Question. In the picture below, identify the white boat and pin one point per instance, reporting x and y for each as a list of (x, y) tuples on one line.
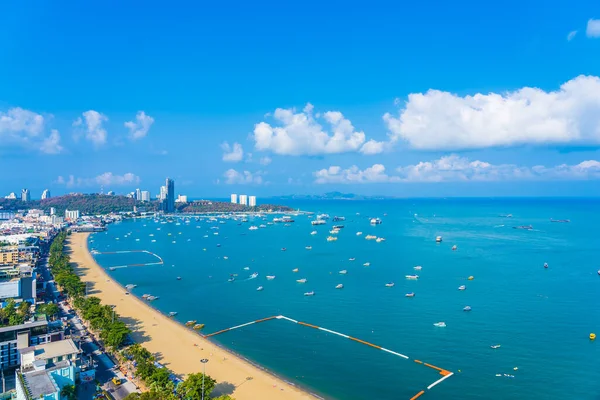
[(323, 216), (495, 346), (334, 231), (313, 233), (253, 228), (309, 293), (254, 275), (440, 324), (462, 287), (375, 221), (358, 233), (467, 308), (340, 286), (391, 284), (259, 288), (270, 277), (231, 279), (295, 270), (308, 247), (379, 240), (413, 277), (303, 280), (172, 313), (352, 259), (317, 222), (145, 296), (130, 286), (153, 240), (262, 226), (370, 237), (246, 268), (331, 238), (418, 268), (438, 239), (152, 298), (343, 272), (367, 264), (454, 248), (410, 294), (225, 258)]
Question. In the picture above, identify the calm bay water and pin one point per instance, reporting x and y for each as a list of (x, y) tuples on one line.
[(541, 317)]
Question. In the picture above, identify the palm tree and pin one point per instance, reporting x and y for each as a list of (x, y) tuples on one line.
[(68, 392)]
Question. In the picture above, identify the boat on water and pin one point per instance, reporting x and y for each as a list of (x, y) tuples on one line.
[(343, 272), (379, 240), (413, 277), (390, 284), (339, 286), (352, 259), (410, 294), (334, 231), (440, 324), (495, 346), (564, 221), (259, 288), (253, 275), (178, 278), (270, 277), (336, 219), (191, 323), (438, 239), (467, 308), (283, 249), (524, 227), (262, 226), (225, 258), (418, 268), (454, 248), (331, 238), (303, 280), (152, 298), (599, 272), (308, 247), (153, 240), (112, 269), (471, 278), (197, 327), (172, 313), (295, 270), (145, 296), (309, 293), (358, 233), (370, 237), (231, 279), (246, 268), (367, 264), (545, 265), (253, 228), (338, 227), (317, 222), (375, 221), (313, 233), (130, 286), (462, 287)]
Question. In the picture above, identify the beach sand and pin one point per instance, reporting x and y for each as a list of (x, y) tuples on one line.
[(173, 343)]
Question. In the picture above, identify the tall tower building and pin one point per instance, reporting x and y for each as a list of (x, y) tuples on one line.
[(234, 198), (25, 195), (252, 201), (46, 194), (243, 199), (170, 200), (138, 194), (145, 195)]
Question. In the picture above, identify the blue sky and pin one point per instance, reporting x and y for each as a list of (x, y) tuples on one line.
[(414, 99)]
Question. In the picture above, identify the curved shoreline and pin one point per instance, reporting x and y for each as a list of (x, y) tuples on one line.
[(171, 340)]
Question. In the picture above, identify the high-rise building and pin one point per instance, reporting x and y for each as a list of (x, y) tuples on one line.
[(170, 200), (72, 215), (46, 194), (145, 195), (138, 194), (181, 199), (252, 201), (234, 198), (243, 199), (52, 210), (163, 193), (25, 195)]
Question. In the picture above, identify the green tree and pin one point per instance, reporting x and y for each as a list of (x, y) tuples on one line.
[(191, 388), (69, 392), (51, 310)]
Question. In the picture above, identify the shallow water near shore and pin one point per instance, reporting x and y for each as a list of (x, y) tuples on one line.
[(541, 317)]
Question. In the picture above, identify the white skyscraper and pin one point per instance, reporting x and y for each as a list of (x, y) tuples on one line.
[(145, 195), (252, 201), (52, 210), (163, 193), (138, 194), (243, 199), (234, 198), (46, 194), (25, 195)]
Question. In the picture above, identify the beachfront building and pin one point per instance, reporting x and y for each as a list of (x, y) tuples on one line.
[(181, 199), (71, 215), (46, 194), (234, 198), (145, 195), (252, 201), (243, 199)]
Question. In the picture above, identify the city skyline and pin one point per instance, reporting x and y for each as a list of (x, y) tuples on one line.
[(511, 114)]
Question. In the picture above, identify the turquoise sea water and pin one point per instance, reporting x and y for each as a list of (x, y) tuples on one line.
[(541, 317)]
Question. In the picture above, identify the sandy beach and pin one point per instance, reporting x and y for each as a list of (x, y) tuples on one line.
[(177, 347)]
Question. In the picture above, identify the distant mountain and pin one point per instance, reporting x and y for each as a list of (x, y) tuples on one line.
[(332, 196)]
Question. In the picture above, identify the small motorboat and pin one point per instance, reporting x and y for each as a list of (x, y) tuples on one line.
[(283, 249), (462, 287), (438, 239), (295, 270), (313, 233), (130, 286), (454, 248), (145, 296), (599, 272), (172, 313), (225, 258), (197, 327), (191, 323), (411, 294), (152, 298), (440, 324), (178, 278), (231, 279), (340, 286), (246, 268), (390, 284), (331, 238), (352, 259), (467, 308), (112, 269), (270, 277), (259, 288), (343, 272), (309, 293), (367, 264), (412, 277), (471, 278), (308, 247), (418, 268), (358, 233), (545, 265), (495, 346), (303, 280), (253, 276)]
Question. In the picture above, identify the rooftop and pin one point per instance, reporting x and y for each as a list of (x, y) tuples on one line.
[(24, 326), (40, 383), (50, 350)]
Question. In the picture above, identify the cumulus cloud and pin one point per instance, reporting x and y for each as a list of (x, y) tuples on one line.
[(24, 128), (335, 174), (571, 35), (265, 160), (299, 133), (233, 177), (442, 120), (233, 153), (92, 123), (51, 144), (106, 179), (593, 28), (139, 128), (373, 147)]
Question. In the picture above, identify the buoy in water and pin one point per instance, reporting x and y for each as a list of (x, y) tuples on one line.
[(592, 336)]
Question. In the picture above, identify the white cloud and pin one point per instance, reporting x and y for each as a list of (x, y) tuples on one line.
[(442, 120), (107, 179), (94, 131), (373, 147), (299, 133), (233, 177), (593, 28), (139, 129), (571, 35), (51, 144), (266, 160), (233, 153), (25, 129), (335, 174)]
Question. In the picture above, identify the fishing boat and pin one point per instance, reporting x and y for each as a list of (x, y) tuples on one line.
[(308, 247), (358, 233), (339, 286), (412, 277), (270, 277), (367, 264), (259, 288), (313, 233), (343, 272), (467, 308), (145, 296), (410, 294), (331, 238), (438, 239), (197, 327), (191, 323), (418, 268), (440, 324), (495, 346), (295, 270), (172, 313), (352, 259), (303, 280), (152, 298), (375, 221), (254, 275), (309, 293), (462, 287), (390, 284)]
